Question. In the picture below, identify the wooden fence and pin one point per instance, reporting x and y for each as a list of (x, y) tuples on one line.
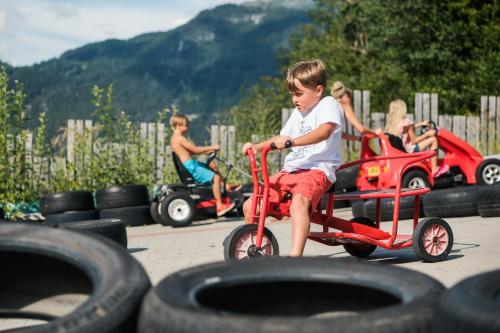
[(482, 132)]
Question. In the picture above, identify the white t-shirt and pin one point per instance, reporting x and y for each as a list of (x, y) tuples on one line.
[(324, 155)]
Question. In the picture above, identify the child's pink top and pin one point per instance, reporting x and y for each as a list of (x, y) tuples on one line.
[(404, 126)]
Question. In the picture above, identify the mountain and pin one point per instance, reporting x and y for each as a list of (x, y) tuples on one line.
[(200, 67)]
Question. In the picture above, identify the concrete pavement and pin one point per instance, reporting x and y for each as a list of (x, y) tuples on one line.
[(164, 250)]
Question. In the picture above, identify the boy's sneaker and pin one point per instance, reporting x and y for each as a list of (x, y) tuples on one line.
[(441, 170), (224, 209)]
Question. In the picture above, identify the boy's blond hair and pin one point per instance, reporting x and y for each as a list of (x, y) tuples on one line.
[(397, 112), (310, 74), (178, 119)]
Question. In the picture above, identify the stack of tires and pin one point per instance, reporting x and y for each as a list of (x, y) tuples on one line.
[(69, 206), (367, 208), (128, 203), (463, 201), (105, 282), (75, 210)]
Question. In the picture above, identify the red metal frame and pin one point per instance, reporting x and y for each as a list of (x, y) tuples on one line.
[(346, 231)]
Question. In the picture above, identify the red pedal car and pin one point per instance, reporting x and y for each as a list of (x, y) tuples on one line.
[(432, 237), (467, 165)]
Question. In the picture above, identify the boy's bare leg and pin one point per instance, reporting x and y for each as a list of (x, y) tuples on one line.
[(247, 209), (299, 212), (216, 190)]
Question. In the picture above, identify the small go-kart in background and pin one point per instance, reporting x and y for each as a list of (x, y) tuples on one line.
[(467, 165), (177, 205), (432, 237)]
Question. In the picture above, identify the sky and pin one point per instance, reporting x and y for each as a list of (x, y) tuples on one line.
[(32, 31)]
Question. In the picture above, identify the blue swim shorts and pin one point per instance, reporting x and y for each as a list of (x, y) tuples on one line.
[(201, 173)]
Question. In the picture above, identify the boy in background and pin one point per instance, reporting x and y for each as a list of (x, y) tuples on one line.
[(314, 128), (201, 172)]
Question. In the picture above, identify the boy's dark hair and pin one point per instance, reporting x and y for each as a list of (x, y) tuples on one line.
[(310, 74)]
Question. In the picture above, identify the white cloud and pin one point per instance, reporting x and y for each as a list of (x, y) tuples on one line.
[(36, 30)]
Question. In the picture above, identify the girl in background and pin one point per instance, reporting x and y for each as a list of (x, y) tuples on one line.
[(400, 125)]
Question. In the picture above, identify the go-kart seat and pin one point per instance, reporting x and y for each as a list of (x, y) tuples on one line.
[(184, 175)]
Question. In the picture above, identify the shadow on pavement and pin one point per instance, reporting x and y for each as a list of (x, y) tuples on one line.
[(136, 249)]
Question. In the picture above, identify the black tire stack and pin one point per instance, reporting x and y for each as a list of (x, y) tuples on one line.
[(128, 203), (43, 262), (69, 206)]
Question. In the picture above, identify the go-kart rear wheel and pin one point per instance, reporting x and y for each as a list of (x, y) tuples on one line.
[(240, 243), (361, 249), (415, 179), (177, 209), (488, 172), (432, 239)]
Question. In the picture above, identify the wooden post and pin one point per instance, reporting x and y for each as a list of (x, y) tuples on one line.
[(231, 143), (473, 131), (152, 143), (358, 109), (426, 107), (223, 141), (70, 143), (366, 108), (484, 124), (434, 108), (459, 126), (214, 134), (378, 120), (491, 124), (160, 149), (418, 107)]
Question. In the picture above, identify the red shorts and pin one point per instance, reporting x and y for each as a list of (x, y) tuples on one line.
[(310, 183)]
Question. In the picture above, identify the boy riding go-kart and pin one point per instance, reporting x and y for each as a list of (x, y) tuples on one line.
[(466, 164)]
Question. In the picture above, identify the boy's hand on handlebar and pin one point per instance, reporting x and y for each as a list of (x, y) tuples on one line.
[(247, 146), (281, 140)]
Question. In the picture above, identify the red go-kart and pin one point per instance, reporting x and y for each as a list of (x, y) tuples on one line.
[(432, 237), (467, 165)]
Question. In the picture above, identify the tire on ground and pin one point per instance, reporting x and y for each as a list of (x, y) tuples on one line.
[(451, 202), (66, 201), (488, 201), (154, 210), (71, 216), (177, 209), (406, 205), (60, 262), (470, 306), (271, 294), (133, 216), (357, 207), (346, 179), (111, 229), (122, 196)]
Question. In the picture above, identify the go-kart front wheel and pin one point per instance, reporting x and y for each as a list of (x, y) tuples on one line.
[(432, 239), (177, 209), (240, 243)]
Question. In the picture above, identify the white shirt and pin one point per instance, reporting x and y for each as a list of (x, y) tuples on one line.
[(324, 155)]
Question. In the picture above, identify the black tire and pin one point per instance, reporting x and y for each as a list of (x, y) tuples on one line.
[(346, 179), (415, 178), (111, 229), (361, 250), (432, 232), (451, 202), (132, 216), (177, 210), (66, 201), (470, 306), (44, 262), (488, 202), (357, 208), (73, 216), (406, 206), (488, 172), (122, 196), (269, 243), (291, 295), (154, 210)]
